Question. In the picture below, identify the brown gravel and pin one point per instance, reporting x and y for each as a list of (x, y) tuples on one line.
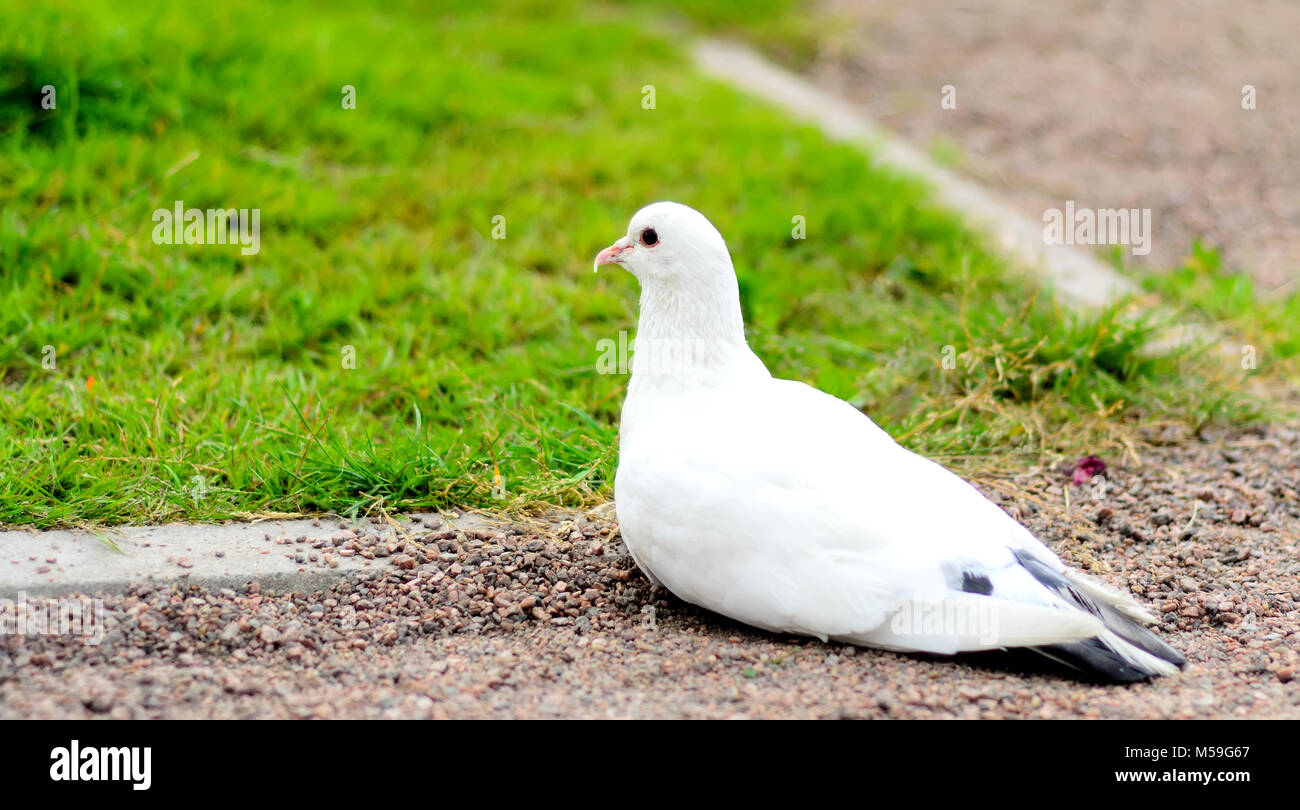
[(1110, 104), (535, 622)]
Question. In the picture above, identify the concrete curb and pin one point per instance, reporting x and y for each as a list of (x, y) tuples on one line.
[(229, 555), (1079, 278)]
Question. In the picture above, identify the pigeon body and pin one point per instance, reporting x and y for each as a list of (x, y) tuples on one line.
[(785, 508)]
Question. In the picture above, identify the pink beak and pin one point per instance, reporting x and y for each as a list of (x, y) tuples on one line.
[(612, 254)]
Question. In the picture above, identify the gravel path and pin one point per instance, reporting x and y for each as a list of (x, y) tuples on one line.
[(1110, 104), (546, 621)]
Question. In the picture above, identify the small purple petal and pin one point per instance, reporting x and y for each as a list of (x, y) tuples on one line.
[(1086, 467)]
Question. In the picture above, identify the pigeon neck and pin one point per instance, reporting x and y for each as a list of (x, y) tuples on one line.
[(691, 334), (668, 311)]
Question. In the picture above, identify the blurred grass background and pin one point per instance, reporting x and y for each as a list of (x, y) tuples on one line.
[(193, 382)]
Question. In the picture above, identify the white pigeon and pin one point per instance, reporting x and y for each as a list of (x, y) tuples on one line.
[(785, 508)]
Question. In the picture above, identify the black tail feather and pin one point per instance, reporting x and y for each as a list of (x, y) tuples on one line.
[(1095, 656), (1095, 659)]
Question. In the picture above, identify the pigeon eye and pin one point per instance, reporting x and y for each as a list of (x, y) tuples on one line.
[(649, 238)]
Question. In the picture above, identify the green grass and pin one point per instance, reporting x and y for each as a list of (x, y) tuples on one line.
[(787, 30), (1267, 323), (192, 382)]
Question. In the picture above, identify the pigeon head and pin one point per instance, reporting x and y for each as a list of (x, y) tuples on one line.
[(690, 325), (670, 242)]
